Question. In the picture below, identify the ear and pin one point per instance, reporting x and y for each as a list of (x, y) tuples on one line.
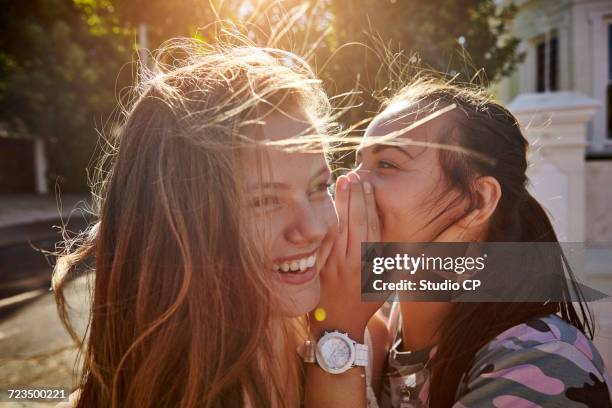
[(487, 194)]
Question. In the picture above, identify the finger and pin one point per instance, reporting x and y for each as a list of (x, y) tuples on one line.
[(373, 223), (342, 209), (357, 219)]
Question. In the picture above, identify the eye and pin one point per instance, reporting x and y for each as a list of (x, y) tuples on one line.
[(326, 187), (385, 164), (265, 201)]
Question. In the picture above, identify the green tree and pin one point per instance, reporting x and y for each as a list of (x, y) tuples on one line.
[(63, 61), (457, 37), (65, 64), (161, 19), (58, 81), (359, 38)]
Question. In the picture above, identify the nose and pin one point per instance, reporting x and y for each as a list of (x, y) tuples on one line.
[(363, 173), (307, 227)]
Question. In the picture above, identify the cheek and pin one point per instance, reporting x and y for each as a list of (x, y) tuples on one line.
[(404, 209), (275, 225), (326, 212), (271, 230), (396, 199)]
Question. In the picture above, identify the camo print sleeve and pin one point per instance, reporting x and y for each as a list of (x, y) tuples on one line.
[(542, 363)]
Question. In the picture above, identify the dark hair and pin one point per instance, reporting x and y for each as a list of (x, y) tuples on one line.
[(484, 127)]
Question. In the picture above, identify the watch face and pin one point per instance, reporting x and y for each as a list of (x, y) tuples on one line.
[(335, 353)]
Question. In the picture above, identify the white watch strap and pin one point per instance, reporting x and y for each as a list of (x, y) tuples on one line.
[(361, 355)]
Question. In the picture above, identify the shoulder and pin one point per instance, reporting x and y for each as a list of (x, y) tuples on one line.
[(549, 337), (379, 332), (545, 359), (379, 341)]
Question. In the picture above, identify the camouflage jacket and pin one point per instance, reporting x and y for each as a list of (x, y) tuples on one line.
[(545, 362)]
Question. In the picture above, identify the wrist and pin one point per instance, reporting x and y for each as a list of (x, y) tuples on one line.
[(336, 352), (354, 331)]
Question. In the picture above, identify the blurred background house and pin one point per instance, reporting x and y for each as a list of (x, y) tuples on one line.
[(562, 95), (23, 164), (567, 46)]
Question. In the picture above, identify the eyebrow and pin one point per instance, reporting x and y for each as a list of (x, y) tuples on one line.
[(284, 186), (380, 148)]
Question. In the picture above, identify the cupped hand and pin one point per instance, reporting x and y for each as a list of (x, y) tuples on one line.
[(341, 307)]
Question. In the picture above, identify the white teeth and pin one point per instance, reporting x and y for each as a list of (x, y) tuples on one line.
[(311, 261), (296, 265)]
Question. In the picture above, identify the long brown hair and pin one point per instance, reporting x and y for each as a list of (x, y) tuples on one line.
[(482, 126), (183, 311)]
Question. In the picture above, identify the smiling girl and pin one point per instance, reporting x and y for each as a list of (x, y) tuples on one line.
[(209, 238)]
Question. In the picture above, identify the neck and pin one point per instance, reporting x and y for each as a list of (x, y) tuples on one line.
[(420, 323)]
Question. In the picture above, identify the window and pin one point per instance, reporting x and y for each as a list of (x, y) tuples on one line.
[(547, 64)]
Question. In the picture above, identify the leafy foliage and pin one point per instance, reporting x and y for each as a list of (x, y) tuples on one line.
[(62, 62), (463, 38), (57, 80)]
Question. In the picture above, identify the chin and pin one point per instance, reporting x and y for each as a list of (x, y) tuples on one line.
[(299, 300)]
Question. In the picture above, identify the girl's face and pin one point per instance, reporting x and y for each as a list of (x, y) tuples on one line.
[(411, 190), (293, 211)]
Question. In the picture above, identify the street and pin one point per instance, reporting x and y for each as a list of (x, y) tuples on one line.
[(35, 349), (36, 352)]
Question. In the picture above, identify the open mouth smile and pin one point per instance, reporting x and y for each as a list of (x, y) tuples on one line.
[(297, 269)]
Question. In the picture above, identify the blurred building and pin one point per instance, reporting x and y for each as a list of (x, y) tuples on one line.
[(23, 165), (562, 96), (568, 47)]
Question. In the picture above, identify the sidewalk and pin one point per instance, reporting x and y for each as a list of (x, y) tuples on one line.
[(26, 218), (18, 209)]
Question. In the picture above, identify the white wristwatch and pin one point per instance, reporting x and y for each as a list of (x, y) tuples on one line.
[(336, 352)]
